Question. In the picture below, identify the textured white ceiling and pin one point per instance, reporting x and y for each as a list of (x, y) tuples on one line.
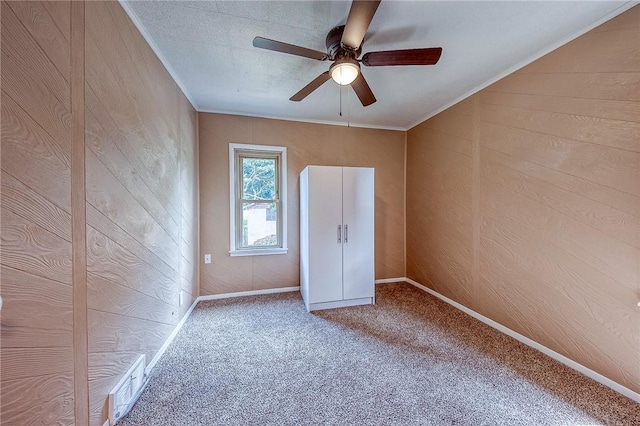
[(207, 46)]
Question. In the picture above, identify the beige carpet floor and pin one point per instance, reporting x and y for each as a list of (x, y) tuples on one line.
[(409, 360)]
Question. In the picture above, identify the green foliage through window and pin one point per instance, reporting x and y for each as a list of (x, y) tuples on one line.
[(259, 179)]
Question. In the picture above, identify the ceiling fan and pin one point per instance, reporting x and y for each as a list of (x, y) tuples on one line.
[(344, 46)]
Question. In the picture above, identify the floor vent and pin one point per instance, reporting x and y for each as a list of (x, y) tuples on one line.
[(126, 392)]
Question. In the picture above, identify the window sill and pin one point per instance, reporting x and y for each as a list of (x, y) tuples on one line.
[(258, 252)]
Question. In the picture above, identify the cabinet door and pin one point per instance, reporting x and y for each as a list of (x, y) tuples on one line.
[(358, 222), (325, 242)]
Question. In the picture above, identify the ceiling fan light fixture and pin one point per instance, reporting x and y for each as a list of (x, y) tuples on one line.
[(344, 71)]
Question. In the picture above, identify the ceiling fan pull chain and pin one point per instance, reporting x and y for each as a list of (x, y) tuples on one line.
[(340, 101), (348, 109)]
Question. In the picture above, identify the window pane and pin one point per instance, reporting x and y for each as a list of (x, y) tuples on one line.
[(258, 227), (258, 178)]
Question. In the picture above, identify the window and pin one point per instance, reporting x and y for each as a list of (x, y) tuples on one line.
[(258, 177)]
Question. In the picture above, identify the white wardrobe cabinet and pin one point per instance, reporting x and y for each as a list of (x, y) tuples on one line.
[(336, 236)]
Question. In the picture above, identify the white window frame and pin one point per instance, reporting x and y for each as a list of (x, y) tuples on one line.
[(233, 180)]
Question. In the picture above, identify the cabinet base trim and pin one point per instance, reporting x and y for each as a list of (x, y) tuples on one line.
[(339, 304), (391, 280), (532, 343)]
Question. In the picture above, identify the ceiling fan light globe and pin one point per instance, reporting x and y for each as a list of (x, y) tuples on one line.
[(344, 73)]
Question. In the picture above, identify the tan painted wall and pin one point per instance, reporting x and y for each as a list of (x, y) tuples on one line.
[(137, 135), (37, 323), (306, 144), (523, 201), (141, 199)]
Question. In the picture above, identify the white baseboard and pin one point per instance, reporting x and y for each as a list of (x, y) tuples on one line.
[(172, 336), (532, 343), (248, 293)]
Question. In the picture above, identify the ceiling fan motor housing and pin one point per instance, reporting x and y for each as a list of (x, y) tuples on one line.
[(335, 50), (344, 46)]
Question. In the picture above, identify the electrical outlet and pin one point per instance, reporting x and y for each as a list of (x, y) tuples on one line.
[(181, 298), (207, 258)]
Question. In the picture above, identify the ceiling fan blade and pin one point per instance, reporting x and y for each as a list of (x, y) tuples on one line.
[(363, 90), (278, 46), (309, 88), (427, 56), (360, 17)]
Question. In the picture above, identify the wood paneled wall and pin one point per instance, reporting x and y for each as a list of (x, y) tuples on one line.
[(137, 135), (37, 357), (306, 144), (523, 201), (141, 200)]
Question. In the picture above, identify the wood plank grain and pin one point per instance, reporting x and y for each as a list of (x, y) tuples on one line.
[(434, 182), (33, 157), (31, 80), (616, 169), (475, 204), (608, 86), (21, 363), (36, 19), (612, 51), (457, 125), (102, 224), (433, 162), (627, 204), (36, 311), (115, 69), (28, 204), (610, 222), (612, 133), (127, 145), (188, 263), (601, 251), (107, 195), (112, 333), (107, 296), (33, 249), (109, 260), (509, 293), (79, 215), (110, 365), (454, 245), (574, 311), (592, 293), (602, 108), (100, 142), (441, 139), (435, 215), (145, 63), (38, 400), (435, 265), (112, 75), (557, 202), (60, 14)]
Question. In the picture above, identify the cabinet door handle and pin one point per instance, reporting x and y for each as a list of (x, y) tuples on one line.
[(346, 233), (339, 233)]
